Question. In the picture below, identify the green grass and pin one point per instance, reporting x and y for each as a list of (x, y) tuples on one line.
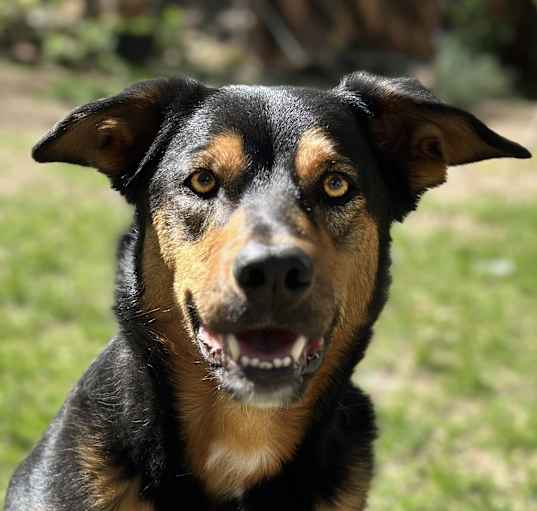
[(58, 240), (452, 368)]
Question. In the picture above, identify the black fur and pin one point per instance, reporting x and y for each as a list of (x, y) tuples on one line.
[(125, 399)]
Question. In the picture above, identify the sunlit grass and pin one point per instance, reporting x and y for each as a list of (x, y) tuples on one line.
[(56, 281), (452, 366)]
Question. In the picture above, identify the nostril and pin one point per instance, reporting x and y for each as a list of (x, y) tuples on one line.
[(297, 279), (299, 272), (251, 276)]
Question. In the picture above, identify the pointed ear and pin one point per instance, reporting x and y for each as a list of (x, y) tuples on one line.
[(418, 136), (114, 134)]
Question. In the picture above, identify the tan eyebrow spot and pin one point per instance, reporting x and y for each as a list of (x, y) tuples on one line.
[(315, 149), (224, 155)]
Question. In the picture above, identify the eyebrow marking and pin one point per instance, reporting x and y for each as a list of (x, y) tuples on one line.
[(224, 154), (315, 149)]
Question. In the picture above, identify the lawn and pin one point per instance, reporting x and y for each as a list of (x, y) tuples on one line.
[(452, 369)]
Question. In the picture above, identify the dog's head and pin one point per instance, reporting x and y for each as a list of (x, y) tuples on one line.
[(268, 208)]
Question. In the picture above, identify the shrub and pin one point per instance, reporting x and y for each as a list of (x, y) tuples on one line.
[(464, 76)]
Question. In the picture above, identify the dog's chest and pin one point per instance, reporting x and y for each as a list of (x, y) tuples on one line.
[(230, 471)]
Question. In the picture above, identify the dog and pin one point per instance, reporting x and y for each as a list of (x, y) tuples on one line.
[(247, 289)]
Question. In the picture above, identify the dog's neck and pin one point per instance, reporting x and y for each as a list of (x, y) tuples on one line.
[(231, 446)]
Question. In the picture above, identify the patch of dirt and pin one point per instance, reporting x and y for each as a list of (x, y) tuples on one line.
[(429, 222), (26, 114), (22, 100), (514, 119), (387, 381), (508, 179)]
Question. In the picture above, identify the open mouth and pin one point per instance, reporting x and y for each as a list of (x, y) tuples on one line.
[(265, 366), (269, 349)]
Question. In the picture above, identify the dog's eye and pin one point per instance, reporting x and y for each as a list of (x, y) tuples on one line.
[(335, 185), (203, 182)]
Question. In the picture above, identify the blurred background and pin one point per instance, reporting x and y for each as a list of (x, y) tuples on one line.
[(452, 368), (466, 50)]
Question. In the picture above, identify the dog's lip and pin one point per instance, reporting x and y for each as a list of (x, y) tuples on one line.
[(267, 348), (224, 349)]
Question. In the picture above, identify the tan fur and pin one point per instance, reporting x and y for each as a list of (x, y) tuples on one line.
[(107, 487), (110, 140), (427, 174), (252, 443), (353, 494), (353, 276), (114, 136), (461, 142), (224, 155), (314, 152), (428, 159), (131, 501), (407, 137)]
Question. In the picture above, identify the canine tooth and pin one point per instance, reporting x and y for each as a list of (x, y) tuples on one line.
[(245, 361), (233, 346), (254, 362), (277, 362), (286, 362), (298, 347), (265, 365)]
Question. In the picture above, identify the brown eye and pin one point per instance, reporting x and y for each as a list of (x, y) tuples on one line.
[(203, 182), (335, 185)]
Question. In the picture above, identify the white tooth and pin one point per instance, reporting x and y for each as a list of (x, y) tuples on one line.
[(298, 347), (277, 362), (286, 362), (245, 361), (265, 365), (254, 362), (234, 347)]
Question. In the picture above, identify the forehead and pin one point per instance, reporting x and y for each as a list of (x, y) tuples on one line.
[(272, 120)]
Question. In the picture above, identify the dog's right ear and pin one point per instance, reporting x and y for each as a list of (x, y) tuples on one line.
[(114, 134)]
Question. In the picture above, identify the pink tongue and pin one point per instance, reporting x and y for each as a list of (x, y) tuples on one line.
[(266, 343)]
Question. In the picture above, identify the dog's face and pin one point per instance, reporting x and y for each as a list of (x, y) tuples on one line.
[(269, 208), (263, 208)]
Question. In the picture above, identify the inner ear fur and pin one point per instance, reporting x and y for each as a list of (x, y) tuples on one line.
[(113, 134), (411, 127)]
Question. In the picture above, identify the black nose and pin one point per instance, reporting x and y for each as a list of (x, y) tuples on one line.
[(280, 274)]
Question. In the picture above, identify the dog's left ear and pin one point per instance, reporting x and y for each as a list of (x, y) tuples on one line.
[(417, 136)]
